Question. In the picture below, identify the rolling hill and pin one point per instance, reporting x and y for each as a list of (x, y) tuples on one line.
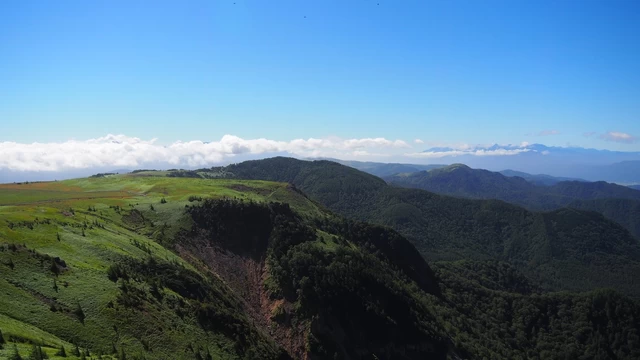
[(558, 248), (83, 266), (616, 202), (164, 265)]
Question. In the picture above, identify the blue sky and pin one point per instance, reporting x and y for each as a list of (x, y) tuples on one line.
[(445, 72)]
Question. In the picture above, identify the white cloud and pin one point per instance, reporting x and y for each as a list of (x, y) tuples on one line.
[(120, 151), (619, 137), (418, 141), (472, 152)]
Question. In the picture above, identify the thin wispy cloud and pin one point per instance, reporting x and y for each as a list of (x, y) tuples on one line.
[(472, 152), (620, 137), (120, 151), (589, 134), (418, 141)]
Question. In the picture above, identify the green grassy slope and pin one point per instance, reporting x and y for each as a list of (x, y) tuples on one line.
[(55, 251)]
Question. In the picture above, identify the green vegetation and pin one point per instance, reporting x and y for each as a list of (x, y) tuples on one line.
[(505, 318), (55, 256), (618, 203), (160, 266), (563, 250), (355, 299), (349, 287), (461, 180)]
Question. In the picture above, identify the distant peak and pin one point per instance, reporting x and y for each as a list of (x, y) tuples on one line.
[(458, 165), (450, 168)]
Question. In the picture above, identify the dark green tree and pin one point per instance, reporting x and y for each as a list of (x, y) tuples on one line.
[(62, 352), (76, 351), (198, 355), (15, 355), (122, 355), (37, 353), (54, 268), (80, 315)]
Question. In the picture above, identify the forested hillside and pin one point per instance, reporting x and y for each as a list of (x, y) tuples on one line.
[(563, 249), (615, 202), (461, 180)]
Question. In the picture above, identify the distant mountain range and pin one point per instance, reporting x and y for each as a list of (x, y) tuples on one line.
[(538, 179), (573, 162), (388, 169), (539, 192)]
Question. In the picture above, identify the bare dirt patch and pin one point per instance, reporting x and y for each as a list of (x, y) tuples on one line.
[(246, 276)]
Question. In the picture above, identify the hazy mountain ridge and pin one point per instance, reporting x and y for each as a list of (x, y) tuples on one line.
[(462, 181), (572, 162), (537, 179)]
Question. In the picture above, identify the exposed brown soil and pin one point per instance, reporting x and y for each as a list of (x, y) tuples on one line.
[(246, 276)]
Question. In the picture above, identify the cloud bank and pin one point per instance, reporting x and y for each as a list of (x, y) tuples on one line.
[(120, 151)]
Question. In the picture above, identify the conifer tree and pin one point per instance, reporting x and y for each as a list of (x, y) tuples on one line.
[(15, 355), (80, 314), (36, 353), (62, 352)]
